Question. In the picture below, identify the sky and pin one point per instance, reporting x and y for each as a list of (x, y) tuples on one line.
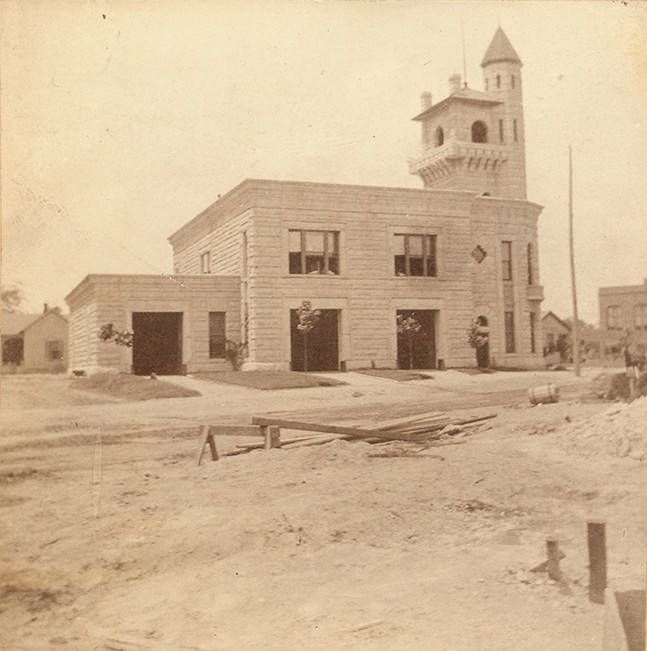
[(121, 120)]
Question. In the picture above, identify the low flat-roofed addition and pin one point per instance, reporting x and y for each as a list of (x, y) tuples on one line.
[(168, 315)]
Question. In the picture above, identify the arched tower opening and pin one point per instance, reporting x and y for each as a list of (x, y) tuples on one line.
[(439, 137), (479, 131)]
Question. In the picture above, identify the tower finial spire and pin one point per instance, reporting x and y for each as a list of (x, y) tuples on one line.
[(464, 57)]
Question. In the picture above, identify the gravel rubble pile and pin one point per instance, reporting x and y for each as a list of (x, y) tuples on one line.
[(620, 431)]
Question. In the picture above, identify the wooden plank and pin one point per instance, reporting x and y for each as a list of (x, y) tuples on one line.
[(236, 430), (318, 440), (353, 432), (397, 423)]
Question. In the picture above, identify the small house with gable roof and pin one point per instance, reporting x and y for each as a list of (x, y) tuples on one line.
[(34, 342)]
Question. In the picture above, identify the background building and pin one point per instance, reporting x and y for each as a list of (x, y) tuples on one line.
[(34, 342), (554, 330), (622, 309)]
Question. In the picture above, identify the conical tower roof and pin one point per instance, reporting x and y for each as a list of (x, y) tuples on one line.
[(500, 49)]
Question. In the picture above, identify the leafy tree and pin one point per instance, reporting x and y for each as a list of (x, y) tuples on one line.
[(308, 318), (409, 327), (477, 335), (120, 337), (563, 346), (12, 298), (235, 352)]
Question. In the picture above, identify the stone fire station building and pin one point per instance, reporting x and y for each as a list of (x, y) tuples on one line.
[(463, 247)]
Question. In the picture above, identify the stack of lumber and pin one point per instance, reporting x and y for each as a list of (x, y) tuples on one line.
[(414, 426), (420, 428)]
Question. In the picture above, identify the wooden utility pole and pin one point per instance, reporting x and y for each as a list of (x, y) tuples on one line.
[(575, 333)]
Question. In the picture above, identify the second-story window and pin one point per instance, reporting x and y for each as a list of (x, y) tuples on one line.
[(529, 261), (613, 317), (314, 252), (506, 259), (415, 255), (205, 263)]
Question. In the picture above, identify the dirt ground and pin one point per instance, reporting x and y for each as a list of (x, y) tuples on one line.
[(113, 538)]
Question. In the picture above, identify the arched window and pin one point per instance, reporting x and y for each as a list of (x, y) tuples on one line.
[(479, 132), (498, 81), (439, 137), (512, 81)]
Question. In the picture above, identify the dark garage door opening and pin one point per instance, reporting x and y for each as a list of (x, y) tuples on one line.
[(157, 343), (423, 350), (323, 343)]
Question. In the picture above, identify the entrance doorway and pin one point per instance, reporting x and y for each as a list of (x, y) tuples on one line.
[(421, 353), (323, 343), (483, 352), (157, 343)]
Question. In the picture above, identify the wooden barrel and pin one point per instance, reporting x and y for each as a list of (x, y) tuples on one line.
[(547, 393)]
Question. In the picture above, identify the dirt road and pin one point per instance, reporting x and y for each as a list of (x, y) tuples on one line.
[(116, 540)]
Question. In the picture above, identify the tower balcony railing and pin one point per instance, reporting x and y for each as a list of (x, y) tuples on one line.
[(480, 152)]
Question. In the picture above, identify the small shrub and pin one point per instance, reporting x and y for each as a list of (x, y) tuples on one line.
[(235, 353)]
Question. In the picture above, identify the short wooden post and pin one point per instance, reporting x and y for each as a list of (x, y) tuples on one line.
[(272, 436), (552, 548), (204, 435), (212, 445), (597, 561)]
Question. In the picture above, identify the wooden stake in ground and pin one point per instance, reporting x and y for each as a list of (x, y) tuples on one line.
[(552, 548), (597, 561), (272, 437)]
